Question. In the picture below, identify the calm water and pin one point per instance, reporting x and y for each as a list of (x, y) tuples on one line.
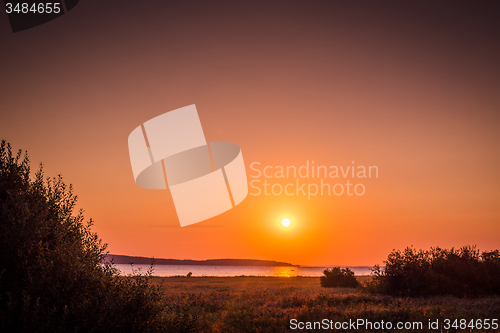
[(199, 270)]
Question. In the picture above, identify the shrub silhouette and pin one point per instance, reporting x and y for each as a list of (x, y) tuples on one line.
[(465, 272), (53, 277), (337, 277)]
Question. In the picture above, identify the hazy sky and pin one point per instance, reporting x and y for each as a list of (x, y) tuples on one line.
[(413, 90)]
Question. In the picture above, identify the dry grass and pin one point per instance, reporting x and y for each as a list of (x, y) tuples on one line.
[(308, 286), (266, 304)]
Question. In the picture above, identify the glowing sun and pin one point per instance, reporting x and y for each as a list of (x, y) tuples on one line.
[(285, 222)]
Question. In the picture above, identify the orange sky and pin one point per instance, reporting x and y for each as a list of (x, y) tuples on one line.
[(412, 90)]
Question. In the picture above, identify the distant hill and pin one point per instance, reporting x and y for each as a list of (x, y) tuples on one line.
[(120, 259)]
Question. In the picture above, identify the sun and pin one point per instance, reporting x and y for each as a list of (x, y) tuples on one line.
[(285, 222)]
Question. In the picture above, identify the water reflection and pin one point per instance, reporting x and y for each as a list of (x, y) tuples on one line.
[(203, 270), (281, 271)]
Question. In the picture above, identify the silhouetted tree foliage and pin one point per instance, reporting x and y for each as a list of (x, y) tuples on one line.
[(53, 277), (464, 272), (337, 277)]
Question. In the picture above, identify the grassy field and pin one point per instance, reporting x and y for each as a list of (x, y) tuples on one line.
[(267, 304)]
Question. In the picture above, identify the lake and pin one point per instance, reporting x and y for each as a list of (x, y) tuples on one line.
[(207, 270)]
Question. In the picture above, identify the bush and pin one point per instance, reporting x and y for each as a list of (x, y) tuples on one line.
[(53, 276), (465, 272), (337, 277)]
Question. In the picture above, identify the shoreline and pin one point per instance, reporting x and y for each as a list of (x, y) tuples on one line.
[(244, 276)]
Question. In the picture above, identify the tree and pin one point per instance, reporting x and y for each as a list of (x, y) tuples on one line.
[(53, 276), (337, 277), (463, 272)]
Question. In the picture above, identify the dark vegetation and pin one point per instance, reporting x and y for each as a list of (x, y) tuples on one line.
[(53, 277), (464, 272), (337, 277)]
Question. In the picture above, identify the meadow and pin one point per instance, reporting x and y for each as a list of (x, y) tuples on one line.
[(268, 304)]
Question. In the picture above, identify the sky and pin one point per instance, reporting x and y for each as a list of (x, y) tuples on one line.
[(409, 88)]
